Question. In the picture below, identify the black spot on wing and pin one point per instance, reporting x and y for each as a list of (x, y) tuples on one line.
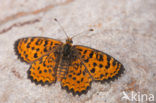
[(108, 62), (94, 64), (93, 70), (100, 58), (35, 55), (28, 45), (86, 61), (46, 42), (100, 65), (91, 54), (85, 52), (37, 49), (45, 50)]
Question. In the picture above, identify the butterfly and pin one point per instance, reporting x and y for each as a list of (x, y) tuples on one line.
[(74, 66)]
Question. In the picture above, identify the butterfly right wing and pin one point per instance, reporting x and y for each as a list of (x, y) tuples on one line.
[(32, 48)]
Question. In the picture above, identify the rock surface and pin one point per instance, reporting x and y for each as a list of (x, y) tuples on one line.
[(125, 29)]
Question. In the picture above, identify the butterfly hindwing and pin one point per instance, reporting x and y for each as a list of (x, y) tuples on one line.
[(32, 48), (43, 70), (77, 80), (100, 65)]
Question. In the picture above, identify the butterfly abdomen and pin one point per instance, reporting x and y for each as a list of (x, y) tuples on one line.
[(61, 72)]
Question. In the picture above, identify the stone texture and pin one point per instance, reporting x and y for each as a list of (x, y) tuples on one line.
[(124, 29)]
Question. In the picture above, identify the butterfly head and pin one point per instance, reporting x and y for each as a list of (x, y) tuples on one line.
[(69, 41)]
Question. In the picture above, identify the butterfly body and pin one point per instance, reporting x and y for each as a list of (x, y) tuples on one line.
[(74, 66), (68, 54)]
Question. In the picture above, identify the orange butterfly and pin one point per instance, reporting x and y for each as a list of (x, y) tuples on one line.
[(75, 66)]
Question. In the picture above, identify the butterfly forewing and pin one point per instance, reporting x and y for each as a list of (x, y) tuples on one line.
[(32, 48)]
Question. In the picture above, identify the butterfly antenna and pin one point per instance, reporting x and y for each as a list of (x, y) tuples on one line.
[(82, 33), (61, 27)]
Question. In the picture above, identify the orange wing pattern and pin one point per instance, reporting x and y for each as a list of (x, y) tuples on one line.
[(32, 48), (78, 79), (43, 71), (100, 65)]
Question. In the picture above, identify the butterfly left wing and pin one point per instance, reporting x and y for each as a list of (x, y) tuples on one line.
[(32, 48), (100, 65), (77, 80)]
